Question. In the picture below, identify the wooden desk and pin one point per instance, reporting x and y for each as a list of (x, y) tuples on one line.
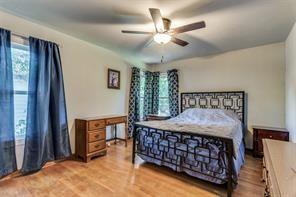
[(279, 170), (90, 134)]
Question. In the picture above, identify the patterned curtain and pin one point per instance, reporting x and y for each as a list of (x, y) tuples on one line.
[(155, 93), (173, 83), (148, 94), (134, 100)]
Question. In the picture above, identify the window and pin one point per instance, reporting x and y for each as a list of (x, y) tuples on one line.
[(163, 95), (142, 93), (20, 64)]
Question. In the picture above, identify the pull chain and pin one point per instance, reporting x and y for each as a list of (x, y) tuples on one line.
[(162, 52)]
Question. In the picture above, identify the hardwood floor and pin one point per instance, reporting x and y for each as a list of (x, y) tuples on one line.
[(114, 175)]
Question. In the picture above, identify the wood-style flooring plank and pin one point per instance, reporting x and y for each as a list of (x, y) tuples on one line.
[(115, 175)]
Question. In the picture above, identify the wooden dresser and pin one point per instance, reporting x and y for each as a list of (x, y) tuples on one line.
[(90, 135), (279, 168), (261, 132)]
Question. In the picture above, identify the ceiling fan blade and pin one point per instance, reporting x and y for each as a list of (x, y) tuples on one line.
[(135, 32), (189, 27), (157, 19), (179, 42)]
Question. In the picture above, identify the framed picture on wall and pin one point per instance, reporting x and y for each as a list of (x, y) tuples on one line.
[(113, 79)]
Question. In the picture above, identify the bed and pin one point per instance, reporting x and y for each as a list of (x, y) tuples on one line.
[(205, 141)]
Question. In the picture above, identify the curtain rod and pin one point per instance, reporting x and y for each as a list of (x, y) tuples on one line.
[(20, 35), (24, 37)]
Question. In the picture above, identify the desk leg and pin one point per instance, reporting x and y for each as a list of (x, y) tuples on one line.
[(115, 130), (126, 134), (134, 149)]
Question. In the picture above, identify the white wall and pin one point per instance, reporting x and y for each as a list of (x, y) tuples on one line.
[(259, 71), (85, 73), (291, 83)]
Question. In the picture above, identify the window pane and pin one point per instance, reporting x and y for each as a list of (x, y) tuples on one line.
[(164, 106), (20, 114), (142, 94), (163, 95), (163, 85), (20, 64)]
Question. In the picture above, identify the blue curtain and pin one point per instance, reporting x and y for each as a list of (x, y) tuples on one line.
[(7, 144), (47, 136), (134, 100), (173, 83)]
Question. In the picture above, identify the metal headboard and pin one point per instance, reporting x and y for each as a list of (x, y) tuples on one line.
[(234, 101)]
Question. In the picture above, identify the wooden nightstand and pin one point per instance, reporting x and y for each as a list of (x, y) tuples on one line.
[(260, 132), (157, 117)]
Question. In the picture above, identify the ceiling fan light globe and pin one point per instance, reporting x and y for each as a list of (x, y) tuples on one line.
[(162, 38)]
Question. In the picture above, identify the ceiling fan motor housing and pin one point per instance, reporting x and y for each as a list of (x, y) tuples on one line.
[(166, 24)]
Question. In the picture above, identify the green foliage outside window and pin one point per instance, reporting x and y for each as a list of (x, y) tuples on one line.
[(20, 64), (163, 95), (142, 94)]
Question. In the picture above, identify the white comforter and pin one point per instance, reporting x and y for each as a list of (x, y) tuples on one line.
[(214, 122)]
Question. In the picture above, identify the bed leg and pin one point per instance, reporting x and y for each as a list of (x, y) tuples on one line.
[(230, 167), (134, 145)]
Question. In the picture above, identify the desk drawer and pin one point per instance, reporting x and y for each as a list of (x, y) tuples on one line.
[(96, 146), (116, 120), (96, 124), (96, 135)]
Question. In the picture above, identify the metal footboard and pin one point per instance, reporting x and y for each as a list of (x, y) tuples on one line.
[(174, 148)]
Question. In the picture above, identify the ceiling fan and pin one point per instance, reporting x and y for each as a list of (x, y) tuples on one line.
[(164, 33)]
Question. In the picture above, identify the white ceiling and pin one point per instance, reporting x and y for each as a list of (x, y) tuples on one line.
[(231, 24)]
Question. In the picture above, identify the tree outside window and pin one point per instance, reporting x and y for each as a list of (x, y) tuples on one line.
[(142, 94), (20, 64), (163, 95)]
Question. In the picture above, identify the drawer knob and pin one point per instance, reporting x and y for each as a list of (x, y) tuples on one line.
[(96, 124), (97, 146), (270, 136), (97, 136)]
